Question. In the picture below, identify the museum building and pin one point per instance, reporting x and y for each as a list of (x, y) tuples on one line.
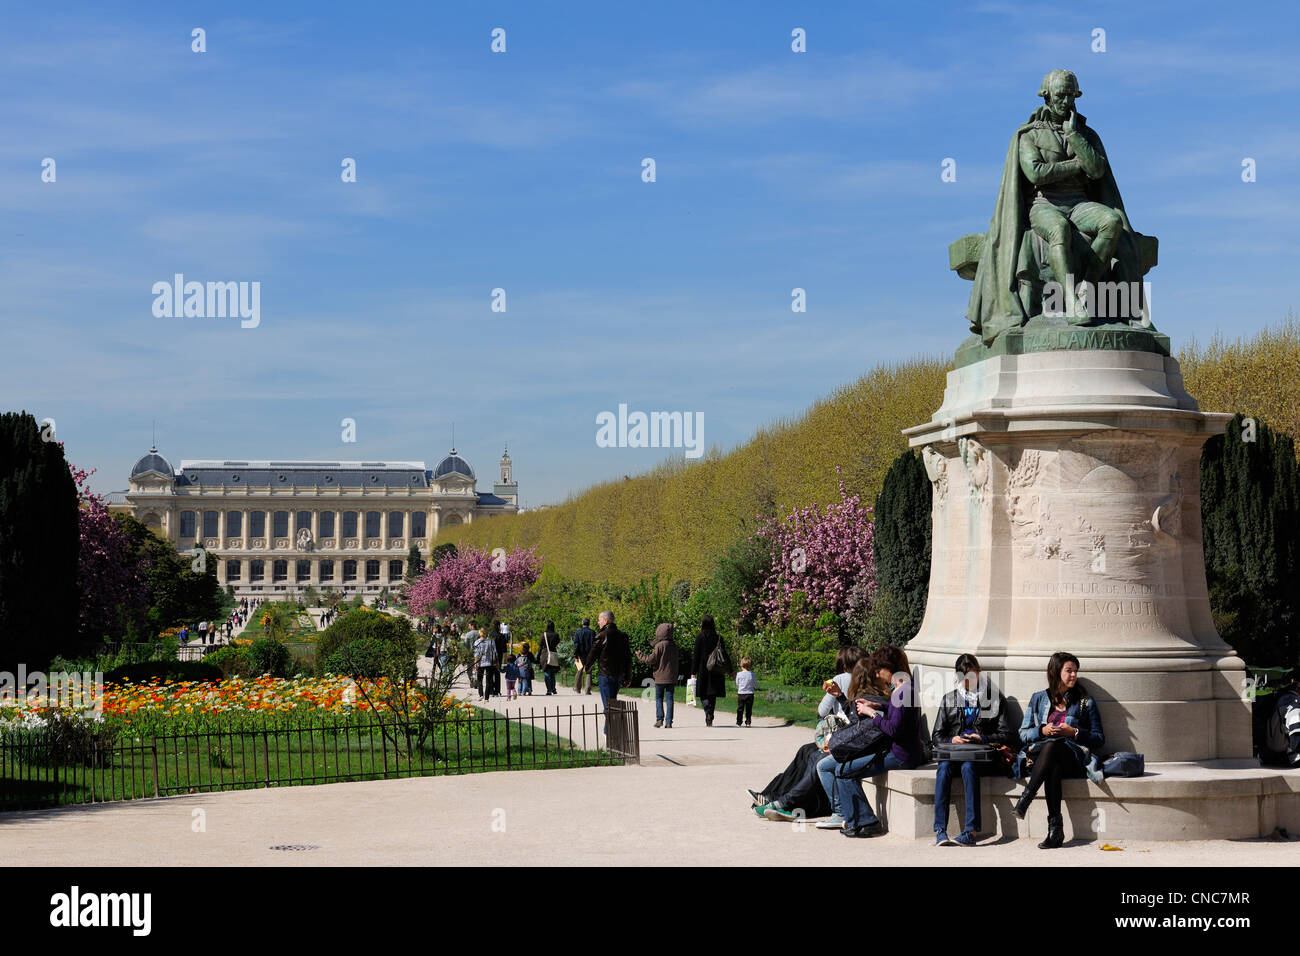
[(283, 526)]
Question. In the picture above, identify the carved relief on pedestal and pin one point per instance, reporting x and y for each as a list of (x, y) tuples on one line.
[(978, 462), (936, 467), (304, 539), (350, 542), (1035, 533), (257, 543), (235, 544), (282, 544), (210, 543)]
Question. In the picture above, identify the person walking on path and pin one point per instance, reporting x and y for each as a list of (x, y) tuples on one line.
[(612, 652), (485, 655), (582, 640), (470, 639), (745, 692), (548, 655), (710, 681), (524, 662), (663, 662), (503, 648)]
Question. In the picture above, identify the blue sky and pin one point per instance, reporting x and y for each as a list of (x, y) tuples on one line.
[(522, 170)]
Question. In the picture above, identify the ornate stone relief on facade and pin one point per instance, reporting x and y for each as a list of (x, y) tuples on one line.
[(936, 467)]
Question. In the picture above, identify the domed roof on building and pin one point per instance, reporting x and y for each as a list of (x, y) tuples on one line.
[(152, 462), (453, 464)]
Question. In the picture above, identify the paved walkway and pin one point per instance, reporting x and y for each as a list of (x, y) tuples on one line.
[(685, 805)]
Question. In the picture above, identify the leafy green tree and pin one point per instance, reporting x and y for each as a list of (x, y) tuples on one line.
[(902, 543), (414, 564), (1250, 514), (40, 544), (178, 594)]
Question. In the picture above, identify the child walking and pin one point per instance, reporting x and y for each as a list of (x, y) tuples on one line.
[(525, 662), (745, 692), (512, 675)]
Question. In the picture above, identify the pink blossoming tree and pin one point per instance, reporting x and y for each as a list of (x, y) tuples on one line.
[(819, 556), (475, 582), (110, 580)]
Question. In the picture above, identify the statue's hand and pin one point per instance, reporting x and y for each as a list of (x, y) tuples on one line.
[(1069, 124)]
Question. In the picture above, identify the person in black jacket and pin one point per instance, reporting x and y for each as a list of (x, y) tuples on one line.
[(709, 685), (968, 714), (613, 652), (582, 639)]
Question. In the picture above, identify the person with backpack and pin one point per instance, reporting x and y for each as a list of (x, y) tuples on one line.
[(968, 714), (548, 655), (1061, 734), (711, 667), (663, 664)]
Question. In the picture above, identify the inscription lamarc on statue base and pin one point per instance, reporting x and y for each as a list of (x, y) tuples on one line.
[(1045, 334)]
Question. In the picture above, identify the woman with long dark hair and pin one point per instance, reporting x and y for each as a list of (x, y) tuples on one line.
[(898, 724), (548, 655), (709, 684), (796, 789), (1060, 734)]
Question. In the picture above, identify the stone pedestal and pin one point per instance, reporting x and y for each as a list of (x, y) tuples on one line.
[(1067, 518)]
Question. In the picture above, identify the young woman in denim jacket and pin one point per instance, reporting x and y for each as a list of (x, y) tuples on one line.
[(1060, 732)]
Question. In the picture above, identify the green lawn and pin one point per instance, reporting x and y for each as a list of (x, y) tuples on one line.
[(195, 763), (783, 701)]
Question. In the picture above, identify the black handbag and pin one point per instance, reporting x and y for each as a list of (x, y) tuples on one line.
[(964, 753), (860, 738)]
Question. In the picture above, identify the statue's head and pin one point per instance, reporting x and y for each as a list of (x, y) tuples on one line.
[(1059, 91)]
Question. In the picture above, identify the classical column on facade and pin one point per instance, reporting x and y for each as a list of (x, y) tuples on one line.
[(314, 579)]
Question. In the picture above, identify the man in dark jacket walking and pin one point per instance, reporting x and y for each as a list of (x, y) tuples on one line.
[(612, 651), (582, 640)]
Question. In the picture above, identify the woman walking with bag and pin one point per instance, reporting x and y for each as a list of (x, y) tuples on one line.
[(710, 668), (548, 655)]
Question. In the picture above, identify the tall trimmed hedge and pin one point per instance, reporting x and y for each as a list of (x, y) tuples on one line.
[(902, 542), (40, 542), (1250, 511)]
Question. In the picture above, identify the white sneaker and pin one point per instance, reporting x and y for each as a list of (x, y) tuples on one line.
[(833, 822)]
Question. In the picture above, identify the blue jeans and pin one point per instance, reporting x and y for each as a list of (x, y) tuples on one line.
[(970, 774), (845, 787), (663, 692), (608, 691)]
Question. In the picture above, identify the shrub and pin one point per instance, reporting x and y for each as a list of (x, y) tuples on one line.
[(269, 656), (232, 660), (146, 671), (806, 668), (375, 635)]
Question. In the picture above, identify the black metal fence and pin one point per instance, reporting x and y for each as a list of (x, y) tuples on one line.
[(39, 771)]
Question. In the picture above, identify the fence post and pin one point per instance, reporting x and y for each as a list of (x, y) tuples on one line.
[(154, 749), (507, 716), (266, 755)]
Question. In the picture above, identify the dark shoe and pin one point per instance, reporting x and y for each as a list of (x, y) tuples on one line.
[(941, 838), (708, 723), (1055, 834), (758, 799), (659, 723), (966, 839), (867, 830), (668, 725), (1022, 805)]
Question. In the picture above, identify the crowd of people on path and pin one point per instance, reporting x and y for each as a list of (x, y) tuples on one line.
[(870, 723)]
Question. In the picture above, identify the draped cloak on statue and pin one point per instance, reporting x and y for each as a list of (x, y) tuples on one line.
[(1009, 255)]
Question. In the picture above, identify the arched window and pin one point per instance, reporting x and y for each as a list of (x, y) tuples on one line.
[(417, 524), (327, 524), (234, 524), (372, 571), (256, 570), (349, 524), (187, 524), (372, 524), (303, 520), (395, 524), (280, 525), (233, 570), (303, 571), (209, 524), (257, 524), (280, 570), (394, 570), (349, 570), (327, 570)]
